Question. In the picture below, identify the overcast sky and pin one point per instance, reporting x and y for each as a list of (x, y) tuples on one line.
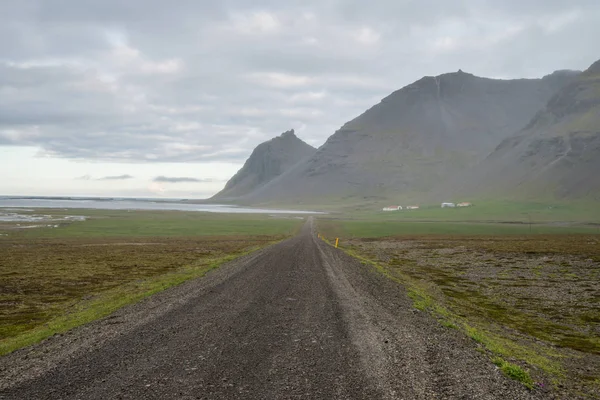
[(154, 97)]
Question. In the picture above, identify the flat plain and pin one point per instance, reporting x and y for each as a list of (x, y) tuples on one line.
[(525, 296), (298, 319), (65, 272), (529, 297)]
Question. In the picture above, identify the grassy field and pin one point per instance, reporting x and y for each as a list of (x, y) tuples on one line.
[(489, 211), (380, 228), (121, 223), (530, 300), (53, 279)]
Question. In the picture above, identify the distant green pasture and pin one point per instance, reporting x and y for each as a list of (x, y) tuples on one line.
[(123, 223), (588, 212), (375, 228)]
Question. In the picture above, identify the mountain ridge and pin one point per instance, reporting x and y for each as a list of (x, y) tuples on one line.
[(413, 139), (267, 161), (556, 155)]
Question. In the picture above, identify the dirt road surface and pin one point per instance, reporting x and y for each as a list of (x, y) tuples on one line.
[(299, 319)]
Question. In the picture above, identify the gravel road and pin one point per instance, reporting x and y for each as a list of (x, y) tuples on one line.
[(299, 319)]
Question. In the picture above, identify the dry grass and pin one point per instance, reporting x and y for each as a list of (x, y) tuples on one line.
[(50, 285), (533, 300)]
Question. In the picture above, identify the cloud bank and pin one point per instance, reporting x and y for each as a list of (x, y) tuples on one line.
[(149, 81), (167, 179), (116, 178)]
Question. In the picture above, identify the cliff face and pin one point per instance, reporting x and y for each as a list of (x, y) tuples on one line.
[(413, 140), (557, 155), (267, 161)]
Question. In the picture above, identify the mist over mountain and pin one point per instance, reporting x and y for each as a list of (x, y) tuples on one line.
[(268, 160), (413, 140), (557, 155)]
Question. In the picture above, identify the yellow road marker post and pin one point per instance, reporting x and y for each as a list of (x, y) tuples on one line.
[(336, 242)]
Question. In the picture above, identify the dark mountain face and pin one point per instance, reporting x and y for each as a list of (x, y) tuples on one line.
[(414, 139), (557, 155), (267, 161)]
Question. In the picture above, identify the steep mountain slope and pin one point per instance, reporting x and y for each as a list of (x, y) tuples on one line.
[(413, 139), (267, 161), (557, 155)]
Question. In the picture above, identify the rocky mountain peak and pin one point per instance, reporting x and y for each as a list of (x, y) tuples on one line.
[(428, 82), (267, 161), (288, 134), (458, 74)]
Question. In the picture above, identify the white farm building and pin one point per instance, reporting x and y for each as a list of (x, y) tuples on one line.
[(392, 208), (448, 205)]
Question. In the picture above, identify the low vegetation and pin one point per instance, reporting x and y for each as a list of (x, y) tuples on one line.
[(558, 214), (119, 223), (514, 371), (53, 279), (532, 301), (370, 228)]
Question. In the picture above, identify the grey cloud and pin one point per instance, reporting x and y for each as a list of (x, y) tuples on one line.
[(169, 179), (88, 177), (146, 81), (13, 77), (116, 178)]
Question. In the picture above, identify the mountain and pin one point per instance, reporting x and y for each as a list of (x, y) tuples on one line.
[(267, 161), (557, 155), (413, 140)]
